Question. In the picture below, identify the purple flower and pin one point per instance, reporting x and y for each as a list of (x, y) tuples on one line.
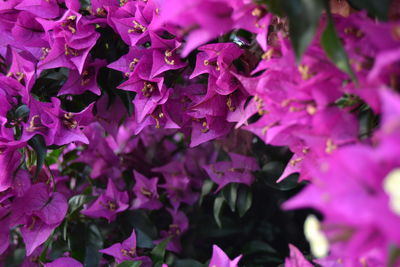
[(360, 207), (10, 160), (40, 212), (178, 184), (23, 68), (179, 225), (146, 193), (165, 55), (29, 32), (64, 262), (202, 20), (5, 210), (110, 114), (40, 8), (126, 251), (208, 128), (217, 61), (132, 21), (390, 107), (70, 40), (108, 204), (57, 126), (78, 83), (220, 259), (238, 170), (296, 259), (104, 162), (137, 59)]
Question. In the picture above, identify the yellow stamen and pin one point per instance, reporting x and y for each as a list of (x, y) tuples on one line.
[(294, 162), (257, 12), (145, 192), (206, 129), (396, 32), (330, 146), (268, 54), (229, 103), (305, 72), (166, 58)]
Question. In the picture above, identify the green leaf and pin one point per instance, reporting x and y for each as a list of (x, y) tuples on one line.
[(377, 8), (143, 240), (139, 220), (94, 242), (394, 255), (332, 45), (244, 200), (69, 156), (126, 98), (85, 241), (15, 257), (258, 246), (76, 202), (53, 156), (230, 194), (304, 16), (22, 112), (130, 264), (38, 144), (158, 264), (275, 6), (187, 262), (158, 252), (217, 209), (205, 190), (85, 4)]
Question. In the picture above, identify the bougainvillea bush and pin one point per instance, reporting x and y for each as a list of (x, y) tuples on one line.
[(189, 133)]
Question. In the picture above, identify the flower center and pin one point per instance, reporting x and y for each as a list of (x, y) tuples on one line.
[(148, 89), (69, 121)]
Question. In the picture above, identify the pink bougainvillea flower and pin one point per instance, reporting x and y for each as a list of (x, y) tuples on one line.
[(39, 212), (220, 259), (29, 32), (23, 68), (208, 128), (40, 8), (202, 20), (179, 226), (350, 198), (110, 113), (12, 89), (70, 40), (78, 83), (64, 262), (104, 162), (145, 190), (217, 61), (390, 121), (178, 185), (10, 160), (137, 58), (133, 21), (238, 170), (126, 251), (5, 211), (150, 93), (165, 57), (108, 204), (296, 258), (55, 125), (4, 235)]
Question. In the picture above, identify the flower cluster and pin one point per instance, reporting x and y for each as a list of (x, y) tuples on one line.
[(115, 111)]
